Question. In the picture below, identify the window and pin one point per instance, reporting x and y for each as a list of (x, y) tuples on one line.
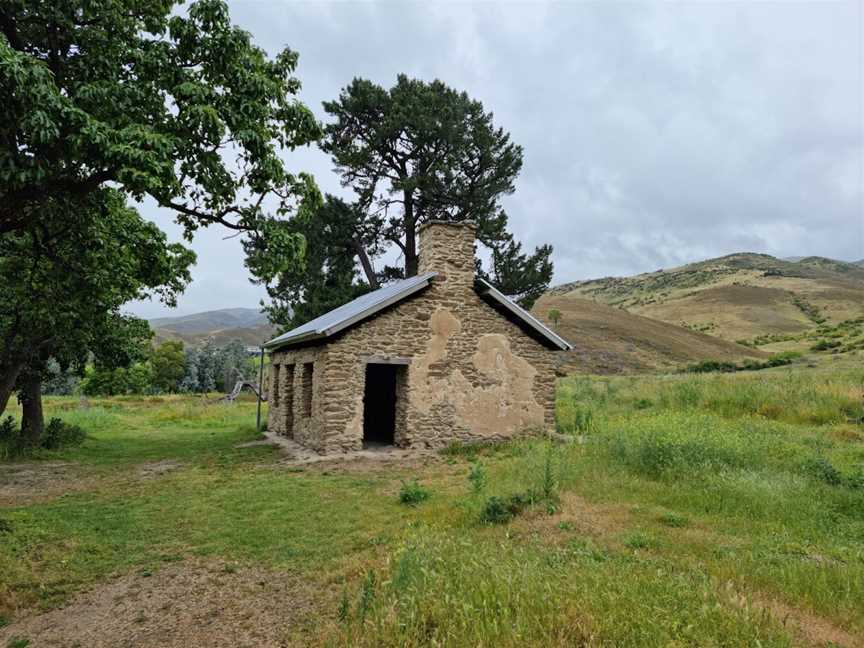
[(287, 389), (308, 386)]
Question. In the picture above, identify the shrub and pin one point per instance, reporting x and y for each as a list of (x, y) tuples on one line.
[(9, 432), (61, 435), (498, 510), (412, 493), (710, 366), (824, 345)]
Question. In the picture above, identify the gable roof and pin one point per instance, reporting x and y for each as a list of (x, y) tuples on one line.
[(488, 292), (371, 303), (358, 309)]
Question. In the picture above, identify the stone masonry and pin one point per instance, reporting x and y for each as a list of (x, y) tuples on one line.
[(468, 372)]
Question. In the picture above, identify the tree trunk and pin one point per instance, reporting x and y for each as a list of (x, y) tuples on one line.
[(32, 418), (8, 378), (368, 270)]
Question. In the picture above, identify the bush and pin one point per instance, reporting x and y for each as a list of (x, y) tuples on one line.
[(61, 435), (825, 345), (412, 493), (57, 435), (498, 510), (710, 366)]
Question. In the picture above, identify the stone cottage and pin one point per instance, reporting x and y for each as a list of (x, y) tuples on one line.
[(435, 358)]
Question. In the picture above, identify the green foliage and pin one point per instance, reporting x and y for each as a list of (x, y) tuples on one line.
[(57, 436), (477, 477), (825, 345), (498, 510), (136, 379), (62, 435), (412, 493), (821, 469), (335, 236), (148, 113), (436, 154), (674, 520), (713, 366), (554, 316), (17, 642), (168, 362)]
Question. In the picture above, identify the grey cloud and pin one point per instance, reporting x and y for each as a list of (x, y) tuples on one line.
[(653, 134)]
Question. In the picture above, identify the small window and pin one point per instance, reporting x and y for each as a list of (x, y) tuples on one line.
[(274, 384), (288, 399), (308, 386)]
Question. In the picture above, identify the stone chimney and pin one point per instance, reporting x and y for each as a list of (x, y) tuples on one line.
[(448, 249)]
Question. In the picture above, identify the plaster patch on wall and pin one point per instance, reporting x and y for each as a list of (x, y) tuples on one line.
[(507, 404)]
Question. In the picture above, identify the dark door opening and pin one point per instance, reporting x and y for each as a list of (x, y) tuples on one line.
[(379, 405)]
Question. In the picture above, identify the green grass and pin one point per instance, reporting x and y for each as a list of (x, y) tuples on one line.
[(686, 504)]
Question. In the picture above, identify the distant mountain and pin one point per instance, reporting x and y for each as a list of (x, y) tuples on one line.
[(739, 296), (211, 320), (248, 325)]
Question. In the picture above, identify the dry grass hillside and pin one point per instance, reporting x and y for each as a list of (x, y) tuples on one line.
[(610, 340), (740, 297)]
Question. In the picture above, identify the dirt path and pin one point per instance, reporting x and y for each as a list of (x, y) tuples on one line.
[(39, 481), (183, 605)]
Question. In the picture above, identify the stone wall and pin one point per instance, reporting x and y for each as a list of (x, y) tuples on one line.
[(287, 415), (473, 373)]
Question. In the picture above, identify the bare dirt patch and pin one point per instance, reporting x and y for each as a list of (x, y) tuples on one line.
[(184, 604), (158, 468), (807, 628), (26, 483)]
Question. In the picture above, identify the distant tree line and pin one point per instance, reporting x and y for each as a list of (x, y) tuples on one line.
[(166, 369)]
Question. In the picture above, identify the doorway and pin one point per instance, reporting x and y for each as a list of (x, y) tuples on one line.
[(379, 404)]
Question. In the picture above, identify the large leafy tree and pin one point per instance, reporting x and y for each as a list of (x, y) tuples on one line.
[(64, 282), (421, 151), (178, 106)]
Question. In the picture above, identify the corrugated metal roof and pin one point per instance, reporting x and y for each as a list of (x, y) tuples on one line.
[(354, 311), (488, 290), (370, 303)]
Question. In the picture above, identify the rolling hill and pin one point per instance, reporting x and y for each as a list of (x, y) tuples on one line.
[(609, 340), (248, 325), (740, 297)]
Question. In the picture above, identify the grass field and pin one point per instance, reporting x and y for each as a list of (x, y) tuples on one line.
[(721, 510)]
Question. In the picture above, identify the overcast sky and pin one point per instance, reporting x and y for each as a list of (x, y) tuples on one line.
[(654, 135)]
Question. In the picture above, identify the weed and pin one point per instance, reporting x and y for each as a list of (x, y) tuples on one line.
[(674, 520), (412, 493), (344, 611), (639, 540), (477, 477), (367, 595), (17, 642)]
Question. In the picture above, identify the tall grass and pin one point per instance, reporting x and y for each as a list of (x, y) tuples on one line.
[(440, 589)]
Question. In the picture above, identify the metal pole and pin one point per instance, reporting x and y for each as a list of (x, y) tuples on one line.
[(259, 390)]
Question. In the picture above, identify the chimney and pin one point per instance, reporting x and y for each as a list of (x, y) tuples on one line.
[(448, 249)]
